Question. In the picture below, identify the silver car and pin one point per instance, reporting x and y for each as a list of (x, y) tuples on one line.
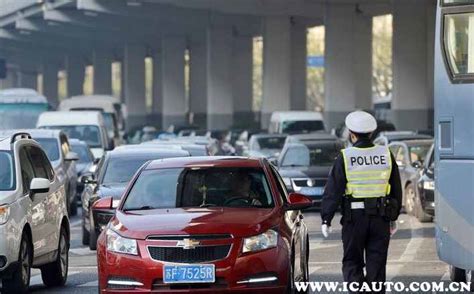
[(34, 225), (56, 145)]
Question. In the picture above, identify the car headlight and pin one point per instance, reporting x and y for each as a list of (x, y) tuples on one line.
[(4, 214), (260, 242), (119, 244), (428, 185)]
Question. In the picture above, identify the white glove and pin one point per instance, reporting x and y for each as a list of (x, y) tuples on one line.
[(393, 228), (326, 230)]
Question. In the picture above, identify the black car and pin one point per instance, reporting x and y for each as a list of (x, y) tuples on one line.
[(305, 165), (410, 156), (424, 206), (85, 165), (114, 172)]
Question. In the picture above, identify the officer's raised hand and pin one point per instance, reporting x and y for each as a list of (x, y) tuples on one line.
[(326, 230)]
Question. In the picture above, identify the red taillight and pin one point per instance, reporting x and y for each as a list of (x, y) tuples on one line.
[(104, 203)]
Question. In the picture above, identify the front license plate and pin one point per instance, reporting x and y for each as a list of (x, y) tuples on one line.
[(312, 191), (195, 273)]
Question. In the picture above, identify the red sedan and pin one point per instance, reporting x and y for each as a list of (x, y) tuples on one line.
[(205, 225)]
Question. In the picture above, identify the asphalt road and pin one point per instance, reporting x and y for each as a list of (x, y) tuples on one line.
[(412, 257)]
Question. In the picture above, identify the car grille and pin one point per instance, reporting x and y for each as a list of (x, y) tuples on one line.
[(180, 255), (304, 182)]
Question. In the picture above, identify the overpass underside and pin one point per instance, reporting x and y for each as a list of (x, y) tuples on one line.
[(43, 37)]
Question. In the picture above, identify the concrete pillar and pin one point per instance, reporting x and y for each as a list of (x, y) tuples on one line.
[(242, 80), (298, 65), (75, 70), (198, 79), (50, 83), (348, 61), (220, 107), (28, 79), (157, 105), (172, 91), (134, 84), (102, 62), (413, 37), (276, 66)]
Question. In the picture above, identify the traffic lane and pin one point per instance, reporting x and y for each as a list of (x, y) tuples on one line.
[(82, 277), (412, 256), (412, 252)]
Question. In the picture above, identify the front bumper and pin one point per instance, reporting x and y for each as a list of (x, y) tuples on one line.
[(230, 272)]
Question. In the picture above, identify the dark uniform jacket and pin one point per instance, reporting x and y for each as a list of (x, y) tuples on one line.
[(336, 185)]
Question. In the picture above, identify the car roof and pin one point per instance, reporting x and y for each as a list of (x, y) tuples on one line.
[(418, 142), (206, 161), (138, 152), (6, 139), (314, 136), (43, 133), (70, 118), (296, 115), (258, 136)]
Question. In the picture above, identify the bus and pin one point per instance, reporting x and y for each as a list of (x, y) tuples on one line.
[(454, 132), (20, 108)]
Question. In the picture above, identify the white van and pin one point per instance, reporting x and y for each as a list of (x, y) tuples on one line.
[(87, 126), (111, 109), (296, 122)]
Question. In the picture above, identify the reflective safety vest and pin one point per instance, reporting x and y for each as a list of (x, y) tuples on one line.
[(367, 171)]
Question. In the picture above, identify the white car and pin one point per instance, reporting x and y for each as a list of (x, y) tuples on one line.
[(296, 122), (34, 224)]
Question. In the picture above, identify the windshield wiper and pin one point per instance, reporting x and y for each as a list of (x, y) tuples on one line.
[(204, 205), (145, 207)]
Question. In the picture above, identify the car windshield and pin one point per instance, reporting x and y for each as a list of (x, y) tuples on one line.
[(88, 134), (50, 146), (200, 187), (121, 170), (29, 113), (7, 172), (322, 154), (418, 152), (271, 142), (302, 126), (84, 153)]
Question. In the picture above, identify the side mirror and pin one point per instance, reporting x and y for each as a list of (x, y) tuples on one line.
[(39, 185), (417, 164), (72, 156), (111, 144), (298, 201), (88, 179), (96, 160)]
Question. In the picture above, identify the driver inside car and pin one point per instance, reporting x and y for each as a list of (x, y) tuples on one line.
[(242, 189)]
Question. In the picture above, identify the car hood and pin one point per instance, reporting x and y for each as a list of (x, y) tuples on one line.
[(114, 190), (305, 172), (239, 222)]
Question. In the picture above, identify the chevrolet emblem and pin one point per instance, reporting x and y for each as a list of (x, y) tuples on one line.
[(188, 243)]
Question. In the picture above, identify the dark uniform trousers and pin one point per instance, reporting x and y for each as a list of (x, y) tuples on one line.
[(369, 236)]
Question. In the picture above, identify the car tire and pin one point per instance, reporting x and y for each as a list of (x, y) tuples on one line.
[(457, 274), (85, 234), (20, 280), (420, 214), (410, 199), (55, 273), (92, 239)]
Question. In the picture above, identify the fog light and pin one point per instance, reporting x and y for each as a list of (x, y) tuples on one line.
[(254, 280), (3, 261), (123, 283)]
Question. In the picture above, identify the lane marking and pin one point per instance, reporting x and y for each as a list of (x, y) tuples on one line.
[(75, 223), (82, 251)]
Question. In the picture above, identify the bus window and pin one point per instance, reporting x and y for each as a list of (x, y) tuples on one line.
[(459, 43), (457, 2)]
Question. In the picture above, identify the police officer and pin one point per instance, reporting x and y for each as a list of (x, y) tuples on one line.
[(365, 182)]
